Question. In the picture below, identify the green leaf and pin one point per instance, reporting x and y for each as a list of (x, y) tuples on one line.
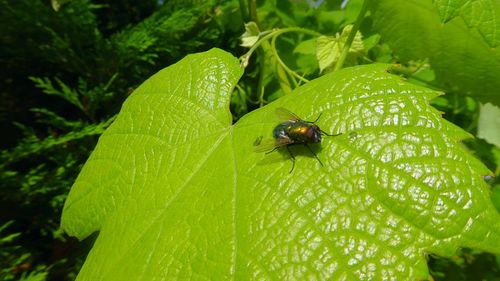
[(7, 238), (479, 14), (56, 4), (465, 60), (178, 193), (251, 35), (488, 125), (306, 47), (448, 9), (329, 48), (306, 59), (65, 92), (371, 41), (32, 145)]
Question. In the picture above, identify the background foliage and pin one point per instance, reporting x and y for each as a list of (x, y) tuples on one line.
[(67, 72)]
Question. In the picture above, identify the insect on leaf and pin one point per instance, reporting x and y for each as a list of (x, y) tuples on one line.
[(178, 193)]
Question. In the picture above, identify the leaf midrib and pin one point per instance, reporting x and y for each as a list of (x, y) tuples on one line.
[(167, 204)]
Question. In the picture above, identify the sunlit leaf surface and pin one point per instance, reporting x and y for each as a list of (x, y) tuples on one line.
[(178, 193)]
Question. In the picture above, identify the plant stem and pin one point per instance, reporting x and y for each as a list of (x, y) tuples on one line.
[(262, 73), (244, 11), (252, 7), (410, 74), (252, 14), (281, 70), (287, 69), (352, 34), (276, 32)]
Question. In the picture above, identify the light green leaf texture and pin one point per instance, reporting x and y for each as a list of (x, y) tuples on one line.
[(178, 193), (329, 49), (251, 35), (463, 51)]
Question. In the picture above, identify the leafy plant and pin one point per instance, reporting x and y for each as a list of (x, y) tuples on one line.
[(190, 198)]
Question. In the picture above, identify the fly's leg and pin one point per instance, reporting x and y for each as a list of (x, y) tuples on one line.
[(312, 122), (315, 156), (323, 132), (272, 150), (330, 135), (293, 158)]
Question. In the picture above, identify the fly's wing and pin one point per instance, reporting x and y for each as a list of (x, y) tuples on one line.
[(266, 145), (285, 114), (269, 145)]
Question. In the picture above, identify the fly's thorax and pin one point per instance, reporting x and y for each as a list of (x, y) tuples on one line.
[(281, 131)]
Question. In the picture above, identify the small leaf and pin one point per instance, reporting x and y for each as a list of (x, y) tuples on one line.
[(56, 4), (306, 47), (371, 41), (328, 51), (68, 94), (488, 126), (177, 192), (329, 48), (251, 35), (306, 60)]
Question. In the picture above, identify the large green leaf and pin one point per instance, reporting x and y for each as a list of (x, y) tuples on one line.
[(463, 51), (178, 193)]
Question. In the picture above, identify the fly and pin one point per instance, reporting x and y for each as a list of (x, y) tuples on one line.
[(293, 131)]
